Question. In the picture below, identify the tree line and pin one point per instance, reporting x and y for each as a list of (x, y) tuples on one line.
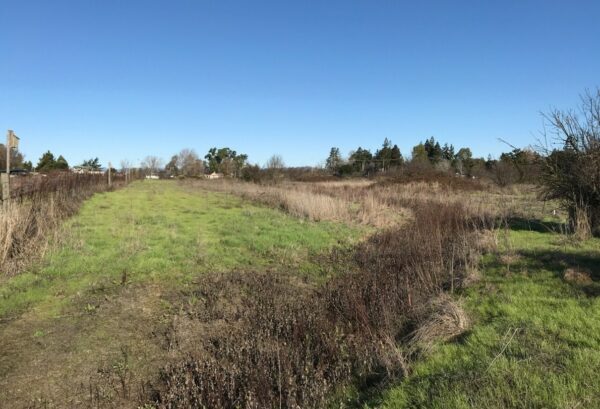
[(515, 166)]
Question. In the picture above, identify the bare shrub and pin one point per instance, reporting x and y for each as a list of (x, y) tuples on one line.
[(570, 172), (577, 276)]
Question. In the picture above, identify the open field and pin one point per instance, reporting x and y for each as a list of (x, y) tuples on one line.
[(107, 285), (378, 291)]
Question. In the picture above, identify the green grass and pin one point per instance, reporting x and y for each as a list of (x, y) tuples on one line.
[(158, 232), (535, 342)]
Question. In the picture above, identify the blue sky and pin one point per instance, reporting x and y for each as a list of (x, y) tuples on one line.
[(126, 79)]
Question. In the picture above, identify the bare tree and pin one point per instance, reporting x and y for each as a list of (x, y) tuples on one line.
[(275, 162), (189, 163), (571, 172), (125, 165), (152, 164)]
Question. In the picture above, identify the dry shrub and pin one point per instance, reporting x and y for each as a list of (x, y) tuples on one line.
[(577, 277), (442, 318), (37, 206), (268, 340)]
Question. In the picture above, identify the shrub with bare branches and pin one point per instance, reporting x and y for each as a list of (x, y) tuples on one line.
[(572, 171)]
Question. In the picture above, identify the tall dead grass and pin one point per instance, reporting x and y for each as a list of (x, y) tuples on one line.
[(379, 204)]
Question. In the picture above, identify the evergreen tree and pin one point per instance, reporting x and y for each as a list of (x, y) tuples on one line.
[(334, 160), (419, 152), (361, 159), (46, 162), (61, 163), (384, 155), (396, 157)]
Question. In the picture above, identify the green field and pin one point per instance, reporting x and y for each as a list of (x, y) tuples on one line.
[(118, 272)]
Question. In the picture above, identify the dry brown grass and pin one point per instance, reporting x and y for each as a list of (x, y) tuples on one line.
[(381, 204), (443, 318)]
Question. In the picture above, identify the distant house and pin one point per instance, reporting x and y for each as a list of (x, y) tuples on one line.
[(87, 169), (214, 175), (151, 176)]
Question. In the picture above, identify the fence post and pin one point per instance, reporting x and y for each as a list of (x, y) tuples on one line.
[(109, 179), (5, 192), (6, 177)]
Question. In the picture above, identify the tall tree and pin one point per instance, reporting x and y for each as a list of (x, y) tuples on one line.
[(226, 161), (92, 164), (16, 158), (360, 159), (61, 163), (396, 158), (334, 160), (46, 163), (171, 167), (189, 163), (383, 156), (419, 153), (152, 164)]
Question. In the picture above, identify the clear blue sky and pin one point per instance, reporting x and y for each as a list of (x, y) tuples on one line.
[(125, 79)]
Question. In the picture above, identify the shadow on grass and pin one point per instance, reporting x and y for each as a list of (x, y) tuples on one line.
[(523, 224), (559, 262)]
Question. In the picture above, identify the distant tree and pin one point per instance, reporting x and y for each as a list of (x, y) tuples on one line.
[(383, 156), (434, 150), (464, 161), (251, 173), (46, 163), (275, 162), (419, 153), (16, 158), (448, 152), (125, 165), (360, 159), (396, 157), (151, 164), (189, 164), (93, 164), (28, 165), (334, 160), (171, 167), (61, 163), (226, 161)]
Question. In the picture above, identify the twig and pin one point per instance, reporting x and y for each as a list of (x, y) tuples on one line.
[(504, 347)]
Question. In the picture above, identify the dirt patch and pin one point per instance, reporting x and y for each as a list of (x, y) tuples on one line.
[(92, 355)]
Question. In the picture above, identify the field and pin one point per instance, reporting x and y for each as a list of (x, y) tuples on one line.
[(115, 311), (535, 342)]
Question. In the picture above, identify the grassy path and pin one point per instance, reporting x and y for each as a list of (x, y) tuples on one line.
[(536, 338), (101, 296)]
